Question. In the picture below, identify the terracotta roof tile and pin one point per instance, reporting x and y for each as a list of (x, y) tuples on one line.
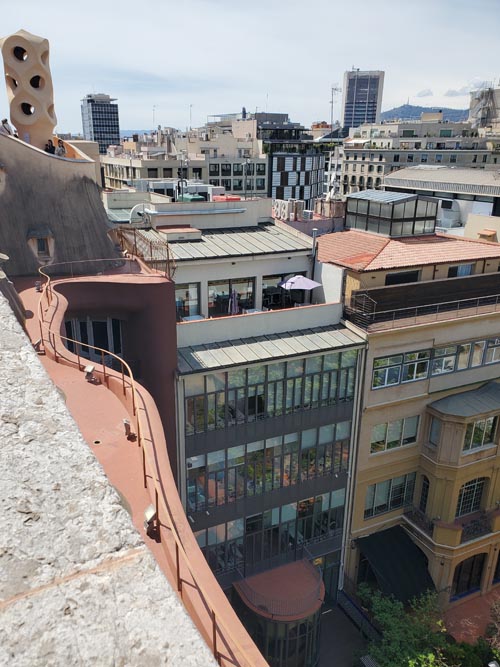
[(364, 251)]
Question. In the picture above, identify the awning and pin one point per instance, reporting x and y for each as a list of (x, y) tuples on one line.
[(397, 562)]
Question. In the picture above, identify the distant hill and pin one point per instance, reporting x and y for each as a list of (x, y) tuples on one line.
[(411, 112)]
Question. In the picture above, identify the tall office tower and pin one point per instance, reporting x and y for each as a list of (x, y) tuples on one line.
[(100, 120), (362, 98)]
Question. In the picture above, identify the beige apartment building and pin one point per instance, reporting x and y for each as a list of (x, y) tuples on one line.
[(374, 150), (425, 505)]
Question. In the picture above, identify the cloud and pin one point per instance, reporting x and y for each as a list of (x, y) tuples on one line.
[(461, 92), (427, 92)]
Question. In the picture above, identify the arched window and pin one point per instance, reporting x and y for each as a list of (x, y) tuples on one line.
[(467, 576), (378, 181), (424, 494), (369, 182), (361, 182), (470, 496), (353, 180)]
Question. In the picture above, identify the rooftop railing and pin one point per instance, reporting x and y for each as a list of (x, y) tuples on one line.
[(196, 596), (406, 317)]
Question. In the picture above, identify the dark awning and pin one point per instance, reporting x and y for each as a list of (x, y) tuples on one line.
[(398, 564)]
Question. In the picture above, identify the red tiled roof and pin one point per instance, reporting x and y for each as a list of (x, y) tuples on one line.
[(364, 251)]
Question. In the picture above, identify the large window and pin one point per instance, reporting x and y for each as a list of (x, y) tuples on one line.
[(393, 434), (467, 576), (412, 366), (479, 433), (242, 395), (242, 471), (187, 300), (470, 496), (435, 431), (230, 297), (269, 534), (389, 495)]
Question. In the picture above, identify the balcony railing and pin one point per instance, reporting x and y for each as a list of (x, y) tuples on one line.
[(417, 517), (475, 526), (405, 317)]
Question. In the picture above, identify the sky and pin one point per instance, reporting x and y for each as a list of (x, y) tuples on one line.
[(175, 63)]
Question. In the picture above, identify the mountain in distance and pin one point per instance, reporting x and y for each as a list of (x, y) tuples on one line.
[(411, 112)]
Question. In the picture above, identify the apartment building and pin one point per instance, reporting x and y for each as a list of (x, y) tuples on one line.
[(467, 197), (374, 150), (425, 504)]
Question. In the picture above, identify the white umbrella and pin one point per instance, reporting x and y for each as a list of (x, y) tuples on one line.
[(299, 282)]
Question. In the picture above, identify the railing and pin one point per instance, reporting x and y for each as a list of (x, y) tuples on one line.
[(476, 527), (188, 585), (284, 606), (405, 317), (417, 517)]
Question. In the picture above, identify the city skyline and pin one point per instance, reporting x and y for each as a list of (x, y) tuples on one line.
[(177, 65)]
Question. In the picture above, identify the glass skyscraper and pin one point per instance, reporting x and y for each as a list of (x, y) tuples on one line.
[(100, 121), (362, 98)]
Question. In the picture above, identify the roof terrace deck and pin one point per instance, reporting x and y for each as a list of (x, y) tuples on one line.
[(406, 305)]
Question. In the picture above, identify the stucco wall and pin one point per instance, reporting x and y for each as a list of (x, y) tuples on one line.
[(39, 191), (77, 585)]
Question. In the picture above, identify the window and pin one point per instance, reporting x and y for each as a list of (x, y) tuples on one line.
[(467, 576), (402, 277), (423, 158), (453, 158), (42, 246), (479, 433), (493, 351), (424, 494), (213, 170), (409, 157), (395, 158), (485, 158), (394, 434), (237, 169), (461, 269), (435, 431), (187, 299), (415, 366), (444, 360), (470, 496), (387, 371), (225, 169), (438, 158), (260, 169), (389, 495)]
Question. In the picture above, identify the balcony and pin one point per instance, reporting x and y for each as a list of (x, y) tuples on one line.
[(462, 530), (406, 305)]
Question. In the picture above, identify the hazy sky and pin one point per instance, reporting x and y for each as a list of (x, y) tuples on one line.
[(279, 55)]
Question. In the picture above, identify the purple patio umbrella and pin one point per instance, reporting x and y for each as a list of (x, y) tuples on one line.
[(232, 307), (299, 282)]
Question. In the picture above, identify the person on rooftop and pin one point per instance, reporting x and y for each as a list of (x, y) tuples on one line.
[(60, 150), (49, 147)]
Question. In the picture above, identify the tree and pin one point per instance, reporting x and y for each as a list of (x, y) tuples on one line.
[(415, 636)]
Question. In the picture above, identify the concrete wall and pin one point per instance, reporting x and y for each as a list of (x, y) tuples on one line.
[(257, 324), (476, 223), (211, 215), (40, 191)]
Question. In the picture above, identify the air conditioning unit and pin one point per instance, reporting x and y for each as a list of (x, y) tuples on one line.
[(277, 208), (299, 209), (284, 211), (307, 214)]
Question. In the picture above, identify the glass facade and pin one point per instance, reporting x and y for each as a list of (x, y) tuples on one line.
[(221, 400), (248, 541), (407, 218), (100, 121), (242, 471)]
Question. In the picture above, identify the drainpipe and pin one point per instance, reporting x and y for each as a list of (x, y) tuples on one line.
[(314, 250)]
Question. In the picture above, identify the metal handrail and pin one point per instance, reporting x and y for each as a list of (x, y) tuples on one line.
[(219, 629)]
